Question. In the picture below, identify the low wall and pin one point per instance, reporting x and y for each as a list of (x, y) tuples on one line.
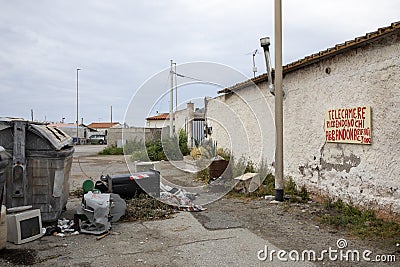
[(120, 136)]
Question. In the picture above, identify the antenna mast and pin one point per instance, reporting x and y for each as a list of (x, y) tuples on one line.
[(254, 63)]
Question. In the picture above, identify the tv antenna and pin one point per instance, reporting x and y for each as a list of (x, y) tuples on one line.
[(254, 53)]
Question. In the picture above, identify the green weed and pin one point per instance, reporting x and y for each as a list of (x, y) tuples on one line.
[(364, 224)]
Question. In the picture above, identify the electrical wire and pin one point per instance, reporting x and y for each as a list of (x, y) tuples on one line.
[(80, 167), (188, 77)]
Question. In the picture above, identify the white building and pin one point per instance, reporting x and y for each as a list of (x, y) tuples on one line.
[(364, 72)]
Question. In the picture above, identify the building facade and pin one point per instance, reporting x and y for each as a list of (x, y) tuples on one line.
[(364, 72)]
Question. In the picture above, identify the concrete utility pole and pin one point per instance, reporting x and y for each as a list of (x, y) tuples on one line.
[(176, 88), (77, 105), (279, 184), (171, 102)]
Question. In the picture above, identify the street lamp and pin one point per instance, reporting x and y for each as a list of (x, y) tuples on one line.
[(77, 106), (265, 43)]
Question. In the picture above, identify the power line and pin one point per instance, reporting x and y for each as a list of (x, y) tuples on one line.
[(188, 77)]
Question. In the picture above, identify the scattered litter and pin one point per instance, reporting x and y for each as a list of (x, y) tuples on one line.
[(106, 234), (62, 229), (103, 235), (179, 198), (269, 197), (276, 202)]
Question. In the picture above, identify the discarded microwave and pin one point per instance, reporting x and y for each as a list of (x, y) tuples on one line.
[(24, 226)]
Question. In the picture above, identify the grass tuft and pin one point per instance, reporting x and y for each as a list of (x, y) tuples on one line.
[(363, 224)]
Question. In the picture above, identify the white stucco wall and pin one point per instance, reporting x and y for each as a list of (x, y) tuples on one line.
[(180, 120), (157, 123), (243, 123), (367, 175)]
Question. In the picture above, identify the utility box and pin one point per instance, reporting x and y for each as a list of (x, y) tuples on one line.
[(39, 172)]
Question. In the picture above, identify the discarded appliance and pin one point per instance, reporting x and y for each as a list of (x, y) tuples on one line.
[(23, 224), (99, 211), (39, 173), (130, 185)]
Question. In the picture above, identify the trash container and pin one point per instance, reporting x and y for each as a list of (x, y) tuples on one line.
[(130, 185), (39, 172), (4, 158)]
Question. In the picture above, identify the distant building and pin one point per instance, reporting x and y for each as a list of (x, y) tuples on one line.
[(160, 120), (103, 127), (189, 119), (84, 131)]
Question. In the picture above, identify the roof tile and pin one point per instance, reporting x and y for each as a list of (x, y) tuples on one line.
[(337, 49)]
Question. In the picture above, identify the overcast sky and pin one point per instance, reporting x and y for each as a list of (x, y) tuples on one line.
[(120, 44)]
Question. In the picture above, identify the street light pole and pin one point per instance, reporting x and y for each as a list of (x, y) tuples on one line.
[(77, 106), (279, 184), (171, 102)]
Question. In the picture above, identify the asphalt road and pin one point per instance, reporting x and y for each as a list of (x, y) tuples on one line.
[(180, 241)]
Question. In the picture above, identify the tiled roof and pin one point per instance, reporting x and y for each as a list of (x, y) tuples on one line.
[(62, 125), (330, 52), (102, 125), (161, 116)]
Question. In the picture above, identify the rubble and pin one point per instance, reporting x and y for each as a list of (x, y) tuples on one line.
[(179, 198)]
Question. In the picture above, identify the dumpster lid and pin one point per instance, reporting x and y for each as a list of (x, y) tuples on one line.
[(56, 137), (4, 155)]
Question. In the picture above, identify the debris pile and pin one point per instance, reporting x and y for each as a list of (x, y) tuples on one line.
[(63, 228), (179, 198)]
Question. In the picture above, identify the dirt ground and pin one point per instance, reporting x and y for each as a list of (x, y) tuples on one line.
[(287, 226)]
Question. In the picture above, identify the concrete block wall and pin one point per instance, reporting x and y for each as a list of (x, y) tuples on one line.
[(122, 135)]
